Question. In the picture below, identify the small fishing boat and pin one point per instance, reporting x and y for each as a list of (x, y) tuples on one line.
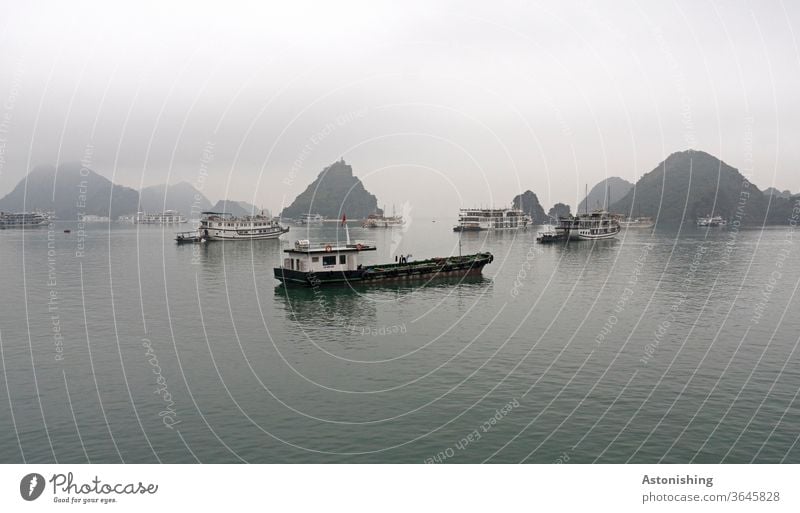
[(311, 265), (549, 237), (192, 237)]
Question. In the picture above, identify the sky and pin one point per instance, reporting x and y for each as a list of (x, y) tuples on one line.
[(436, 105)]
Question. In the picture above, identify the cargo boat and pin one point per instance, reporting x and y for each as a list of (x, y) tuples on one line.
[(310, 265)]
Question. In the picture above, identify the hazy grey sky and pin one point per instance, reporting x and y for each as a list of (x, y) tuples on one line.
[(435, 103)]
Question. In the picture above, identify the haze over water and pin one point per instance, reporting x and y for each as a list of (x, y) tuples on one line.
[(665, 346)]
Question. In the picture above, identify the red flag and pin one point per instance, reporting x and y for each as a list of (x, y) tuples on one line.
[(344, 219)]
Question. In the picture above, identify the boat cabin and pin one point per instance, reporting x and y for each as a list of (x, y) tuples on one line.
[(325, 257)]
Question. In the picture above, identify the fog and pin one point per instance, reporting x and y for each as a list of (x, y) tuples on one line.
[(438, 106)]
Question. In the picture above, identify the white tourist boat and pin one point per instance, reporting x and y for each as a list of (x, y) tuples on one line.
[(590, 226), (711, 221), (224, 226), (379, 221), (479, 219), (637, 222), (310, 219), (23, 219), (165, 217)]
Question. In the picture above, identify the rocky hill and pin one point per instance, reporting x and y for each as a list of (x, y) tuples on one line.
[(692, 183), (612, 188), (336, 191), (237, 208), (529, 203), (182, 197)]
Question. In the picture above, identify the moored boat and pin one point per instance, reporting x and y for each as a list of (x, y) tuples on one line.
[(591, 226), (380, 221), (637, 222), (224, 226), (311, 265), (23, 219), (479, 219), (711, 221), (165, 217), (310, 219), (193, 237), (549, 236)]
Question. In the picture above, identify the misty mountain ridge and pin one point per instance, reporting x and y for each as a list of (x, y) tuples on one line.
[(608, 189), (70, 191), (691, 184), (182, 197), (237, 208)]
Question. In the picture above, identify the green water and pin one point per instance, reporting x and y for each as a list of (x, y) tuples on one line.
[(665, 346)]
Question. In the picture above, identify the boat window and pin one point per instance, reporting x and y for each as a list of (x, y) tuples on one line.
[(342, 259), (315, 259), (329, 260)]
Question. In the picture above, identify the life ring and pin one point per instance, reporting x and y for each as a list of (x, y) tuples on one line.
[(359, 247), (328, 248)]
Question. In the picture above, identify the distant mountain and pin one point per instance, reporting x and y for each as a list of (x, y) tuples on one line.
[(614, 186), (335, 192), (777, 194), (529, 204), (237, 208), (691, 183), (558, 210), (70, 191), (182, 197)]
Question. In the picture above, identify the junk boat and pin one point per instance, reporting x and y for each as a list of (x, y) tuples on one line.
[(479, 219), (310, 265), (592, 226), (224, 226), (24, 219), (165, 217), (712, 222), (380, 221), (310, 219), (637, 222)]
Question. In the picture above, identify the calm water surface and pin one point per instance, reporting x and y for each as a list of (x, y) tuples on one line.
[(665, 346)]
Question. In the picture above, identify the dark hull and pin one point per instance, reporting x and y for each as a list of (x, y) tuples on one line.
[(550, 238), (455, 267)]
